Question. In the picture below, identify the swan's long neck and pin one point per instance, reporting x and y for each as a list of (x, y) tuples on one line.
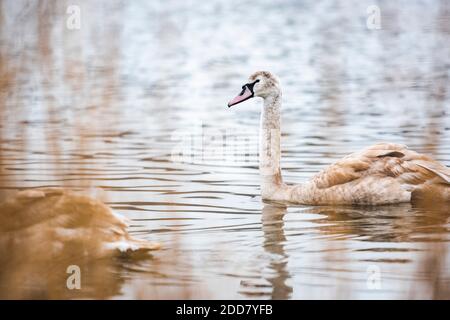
[(269, 148)]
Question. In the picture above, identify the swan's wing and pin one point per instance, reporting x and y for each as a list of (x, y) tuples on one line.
[(56, 206), (384, 160), (17, 210), (436, 168)]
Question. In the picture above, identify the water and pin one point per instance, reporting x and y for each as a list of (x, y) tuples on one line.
[(109, 107)]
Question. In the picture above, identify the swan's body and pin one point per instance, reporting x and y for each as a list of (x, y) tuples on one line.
[(384, 173), (53, 220)]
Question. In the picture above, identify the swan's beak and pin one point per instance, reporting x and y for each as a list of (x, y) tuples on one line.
[(245, 94)]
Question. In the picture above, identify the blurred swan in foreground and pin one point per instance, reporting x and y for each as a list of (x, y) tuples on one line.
[(45, 231), (384, 173), (50, 219)]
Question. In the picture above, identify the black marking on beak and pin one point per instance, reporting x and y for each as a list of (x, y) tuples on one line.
[(248, 86)]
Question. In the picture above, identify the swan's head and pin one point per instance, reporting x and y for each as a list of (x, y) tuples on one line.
[(260, 84)]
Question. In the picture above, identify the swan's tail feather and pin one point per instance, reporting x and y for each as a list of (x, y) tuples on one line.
[(144, 245), (132, 245), (128, 243)]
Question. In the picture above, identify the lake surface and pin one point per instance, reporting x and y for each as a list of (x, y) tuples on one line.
[(132, 107)]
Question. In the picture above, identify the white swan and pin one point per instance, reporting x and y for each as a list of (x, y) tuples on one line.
[(49, 221), (384, 173)]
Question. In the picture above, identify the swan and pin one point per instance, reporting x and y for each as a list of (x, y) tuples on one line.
[(384, 173), (52, 220)]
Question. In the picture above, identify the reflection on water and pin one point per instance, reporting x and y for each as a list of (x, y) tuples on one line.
[(390, 223), (27, 275), (274, 241), (103, 107)]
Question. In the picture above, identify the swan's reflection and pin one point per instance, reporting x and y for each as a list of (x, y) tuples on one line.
[(405, 223), (390, 223), (29, 271), (274, 239)]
